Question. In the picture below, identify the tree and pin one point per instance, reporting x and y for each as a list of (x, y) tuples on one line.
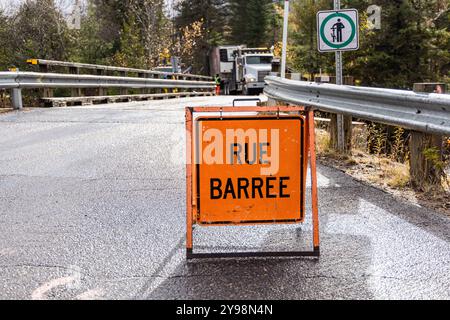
[(191, 38), (251, 21), (6, 51), (40, 31), (154, 29), (131, 53), (412, 45), (405, 50), (304, 55), (92, 44), (127, 33), (213, 15)]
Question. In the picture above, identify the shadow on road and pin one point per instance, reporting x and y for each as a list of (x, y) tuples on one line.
[(373, 246), (271, 278)]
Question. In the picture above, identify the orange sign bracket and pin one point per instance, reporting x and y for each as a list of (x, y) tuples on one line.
[(298, 125)]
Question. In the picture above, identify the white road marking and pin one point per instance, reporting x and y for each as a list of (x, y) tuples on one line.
[(40, 293), (93, 294)]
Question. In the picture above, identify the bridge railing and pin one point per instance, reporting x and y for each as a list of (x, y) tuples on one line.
[(76, 68), (108, 84)]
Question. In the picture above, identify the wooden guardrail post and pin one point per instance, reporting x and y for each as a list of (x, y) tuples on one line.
[(348, 81), (143, 75), (174, 90), (426, 150), (102, 91), (123, 91), (158, 90), (75, 92), (347, 133), (46, 92)]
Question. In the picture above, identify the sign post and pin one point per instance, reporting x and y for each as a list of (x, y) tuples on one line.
[(285, 38), (339, 82), (249, 170), (338, 31)]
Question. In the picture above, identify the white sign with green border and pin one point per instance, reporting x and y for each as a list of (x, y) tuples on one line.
[(338, 30)]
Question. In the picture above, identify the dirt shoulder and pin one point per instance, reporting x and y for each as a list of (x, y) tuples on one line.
[(387, 175)]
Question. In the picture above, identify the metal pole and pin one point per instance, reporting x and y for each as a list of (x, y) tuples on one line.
[(285, 38), (339, 81), (16, 98)]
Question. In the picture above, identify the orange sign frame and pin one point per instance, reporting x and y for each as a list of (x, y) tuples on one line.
[(193, 189), (238, 193)]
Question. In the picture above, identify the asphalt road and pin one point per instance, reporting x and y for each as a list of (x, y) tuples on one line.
[(92, 206)]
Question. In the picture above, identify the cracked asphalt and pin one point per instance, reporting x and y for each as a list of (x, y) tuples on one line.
[(92, 206)]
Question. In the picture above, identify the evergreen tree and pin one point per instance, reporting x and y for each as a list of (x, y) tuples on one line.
[(403, 52), (213, 16), (251, 21), (132, 53), (412, 45), (213, 13), (6, 52), (303, 53), (92, 44)]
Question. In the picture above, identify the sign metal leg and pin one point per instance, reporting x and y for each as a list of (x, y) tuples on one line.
[(189, 217), (314, 187)]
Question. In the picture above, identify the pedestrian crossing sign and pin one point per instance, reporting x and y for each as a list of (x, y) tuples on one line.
[(338, 30)]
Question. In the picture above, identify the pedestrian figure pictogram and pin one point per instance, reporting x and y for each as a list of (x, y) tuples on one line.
[(337, 31)]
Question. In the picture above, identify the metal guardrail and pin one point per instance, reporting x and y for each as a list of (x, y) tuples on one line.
[(76, 65), (16, 81), (429, 113), (8, 80), (36, 80)]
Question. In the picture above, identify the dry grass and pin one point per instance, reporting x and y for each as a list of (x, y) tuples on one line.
[(383, 173), (322, 142), (398, 176)]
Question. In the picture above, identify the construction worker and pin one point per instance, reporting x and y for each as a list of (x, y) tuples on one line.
[(218, 83)]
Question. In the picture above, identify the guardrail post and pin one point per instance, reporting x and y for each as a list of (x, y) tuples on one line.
[(123, 91), (16, 99), (174, 90), (143, 75), (158, 90), (76, 92), (46, 92), (426, 151), (101, 91), (346, 135), (347, 125)]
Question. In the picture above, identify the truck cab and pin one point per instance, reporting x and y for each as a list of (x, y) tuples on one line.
[(253, 69), (241, 69)]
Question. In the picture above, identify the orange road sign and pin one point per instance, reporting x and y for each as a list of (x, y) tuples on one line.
[(244, 169), (250, 170)]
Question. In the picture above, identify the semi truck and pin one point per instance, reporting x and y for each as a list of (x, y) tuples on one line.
[(241, 70)]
